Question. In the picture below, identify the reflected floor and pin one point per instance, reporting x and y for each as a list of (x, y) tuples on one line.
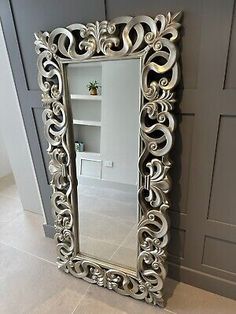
[(108, 224)]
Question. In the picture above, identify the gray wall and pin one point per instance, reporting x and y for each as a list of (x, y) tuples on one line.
[(20, 19), (5, 168), (14, 136), (203, 246)]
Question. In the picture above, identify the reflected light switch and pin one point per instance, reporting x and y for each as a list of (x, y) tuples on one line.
[(108, 163)]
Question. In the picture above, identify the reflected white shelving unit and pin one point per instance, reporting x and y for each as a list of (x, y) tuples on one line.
[(87, 122), (86, 111), (86, 97)]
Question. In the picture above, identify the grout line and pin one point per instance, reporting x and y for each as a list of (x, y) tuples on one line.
[(8, 196), (18, 215), (122, 220), (116, 251), (101, 197), (8, 222), (169, 311), (54, 264), (92, 238), (28, 253), (122, 242), (77, 306), (86, 291)]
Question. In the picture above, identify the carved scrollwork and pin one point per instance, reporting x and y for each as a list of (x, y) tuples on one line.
[(154, 41)]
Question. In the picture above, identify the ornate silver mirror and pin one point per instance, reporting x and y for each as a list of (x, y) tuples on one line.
[(108, 93)]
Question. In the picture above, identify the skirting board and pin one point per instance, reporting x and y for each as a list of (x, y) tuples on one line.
[(49, 231), (187, 275), (202, 280)]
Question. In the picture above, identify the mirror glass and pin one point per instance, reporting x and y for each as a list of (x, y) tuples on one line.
[(105, 100)]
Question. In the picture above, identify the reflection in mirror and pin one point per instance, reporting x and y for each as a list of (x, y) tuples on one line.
[(105, 107)]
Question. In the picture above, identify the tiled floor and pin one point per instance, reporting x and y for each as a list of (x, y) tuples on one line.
[(31, 283)]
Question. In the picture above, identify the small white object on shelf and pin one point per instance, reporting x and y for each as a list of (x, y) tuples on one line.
[(87, 122), (86, 97)]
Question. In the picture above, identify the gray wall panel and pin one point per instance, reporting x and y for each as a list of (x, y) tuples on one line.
[(181, 156), (222, 200), (176, 245), (33, 16), (205, 45), (218, 254), (230, 79)]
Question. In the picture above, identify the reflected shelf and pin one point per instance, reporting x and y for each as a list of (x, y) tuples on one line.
[(87, 122), (86, 153), (86, 97)]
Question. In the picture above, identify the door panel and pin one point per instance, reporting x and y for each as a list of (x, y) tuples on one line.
[(203, 211)]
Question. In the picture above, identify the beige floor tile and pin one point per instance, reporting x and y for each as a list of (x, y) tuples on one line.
[(126, 254), (125, 257), (108, 207), (186, 299), (103, 228), (108, 193), (8, 187), (102, 301), (29, 285), (97, 248), (25, 232), (10, 208), (131, 239)]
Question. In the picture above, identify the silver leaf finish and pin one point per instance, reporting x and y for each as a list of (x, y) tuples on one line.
[(154, 41)]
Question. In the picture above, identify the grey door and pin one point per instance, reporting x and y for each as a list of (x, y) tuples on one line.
[(202, 250)]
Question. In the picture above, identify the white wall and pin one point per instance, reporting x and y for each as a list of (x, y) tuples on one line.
[(13, 133), (5, 167), (120, 120), (80, 75)]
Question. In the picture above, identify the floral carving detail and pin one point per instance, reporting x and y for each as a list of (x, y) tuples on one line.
[(154, 41), (158, 183)]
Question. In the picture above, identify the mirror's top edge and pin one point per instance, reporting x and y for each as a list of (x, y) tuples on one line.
[(100, 58)]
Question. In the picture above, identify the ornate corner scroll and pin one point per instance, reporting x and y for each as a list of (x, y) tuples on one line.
[(154, 41)]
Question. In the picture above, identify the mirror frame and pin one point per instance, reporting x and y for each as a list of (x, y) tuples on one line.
[(151, 40)]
